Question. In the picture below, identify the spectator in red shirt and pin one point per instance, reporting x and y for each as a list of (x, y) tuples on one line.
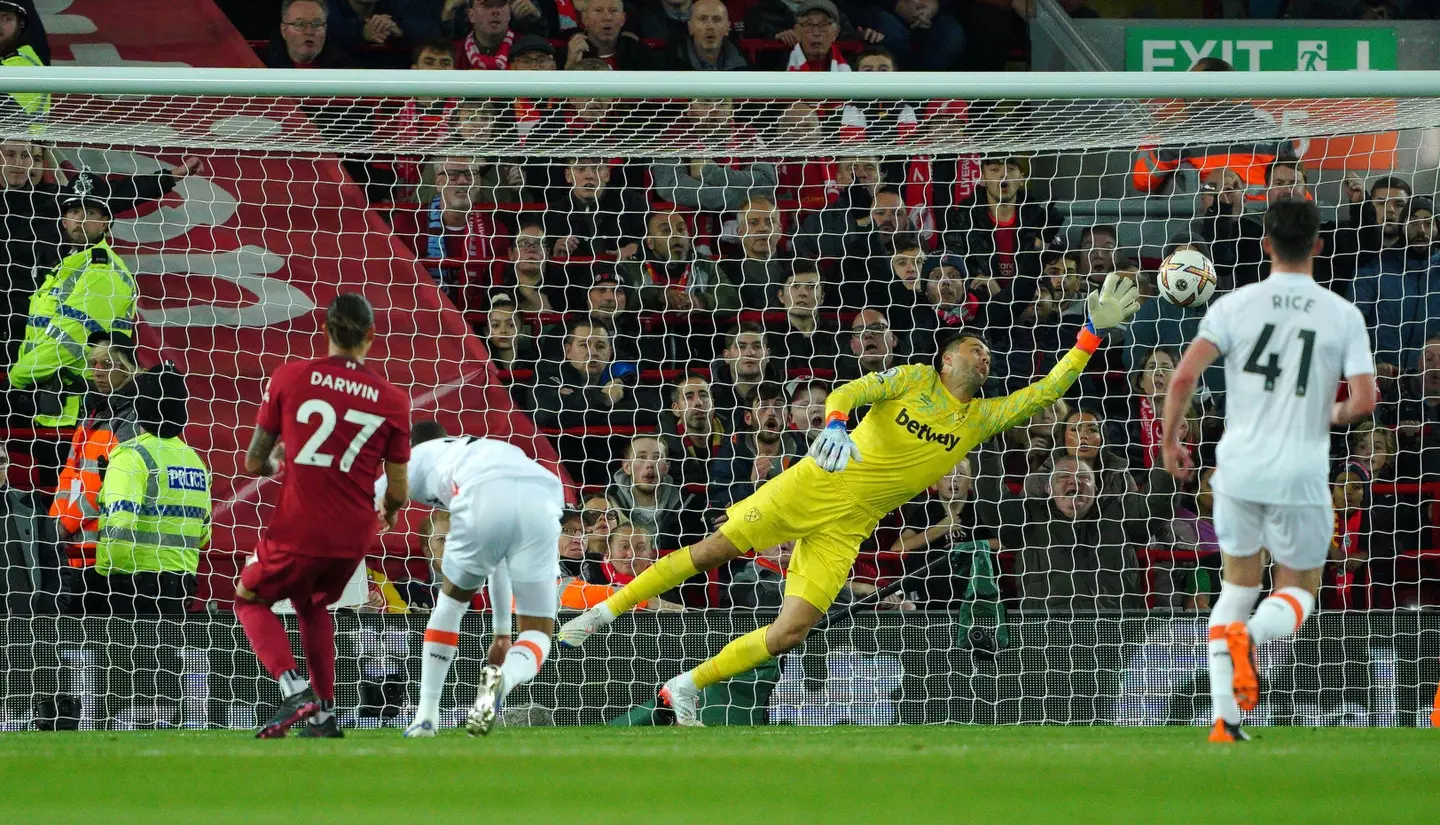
[(812, 181), (1347, 547), (602, 35), (1002, 233), (1150, 383)]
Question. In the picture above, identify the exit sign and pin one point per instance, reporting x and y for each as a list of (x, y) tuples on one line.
[(1262, 49)]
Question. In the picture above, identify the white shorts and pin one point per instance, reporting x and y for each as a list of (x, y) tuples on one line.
[(1297, 535), (515, 521)]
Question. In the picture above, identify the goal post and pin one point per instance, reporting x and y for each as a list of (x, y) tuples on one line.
[(651, 281)]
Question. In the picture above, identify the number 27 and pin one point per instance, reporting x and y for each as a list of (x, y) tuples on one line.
[(310, 454)]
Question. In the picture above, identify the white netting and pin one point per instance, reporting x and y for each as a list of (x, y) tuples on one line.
[(655, 296)]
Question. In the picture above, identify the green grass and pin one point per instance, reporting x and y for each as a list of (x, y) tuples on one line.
[(896, 776)]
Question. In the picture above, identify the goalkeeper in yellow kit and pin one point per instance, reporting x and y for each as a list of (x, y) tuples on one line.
[(922, 421)]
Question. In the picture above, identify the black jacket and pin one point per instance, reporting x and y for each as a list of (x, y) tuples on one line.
[(689, 464), (768, 18), (679, 56), (330, 57), (970, 231), (1080, 565), (347, 29), (616, 218), (630, 54), (795, 351), (566, 397)]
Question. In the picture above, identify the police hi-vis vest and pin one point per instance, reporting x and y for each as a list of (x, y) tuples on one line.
[(89, 291), (154, 508), (35, 105)]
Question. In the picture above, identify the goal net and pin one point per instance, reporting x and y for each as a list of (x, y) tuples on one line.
[(652, 284)]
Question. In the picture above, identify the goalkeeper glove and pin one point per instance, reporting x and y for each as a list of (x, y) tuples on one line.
[(1116, 301), (834, 448)]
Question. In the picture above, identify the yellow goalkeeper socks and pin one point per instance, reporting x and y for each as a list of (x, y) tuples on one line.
[(742, 654), (662, 575)]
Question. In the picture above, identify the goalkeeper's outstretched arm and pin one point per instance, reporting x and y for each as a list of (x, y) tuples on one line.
[(1116, 301)]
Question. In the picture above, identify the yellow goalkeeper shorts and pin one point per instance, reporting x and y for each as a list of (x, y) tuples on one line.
[(811, 507)]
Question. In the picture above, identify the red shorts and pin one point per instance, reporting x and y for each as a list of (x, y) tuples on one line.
[(278, 573)]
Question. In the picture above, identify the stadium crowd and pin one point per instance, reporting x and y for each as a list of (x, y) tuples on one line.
[(676, 325)]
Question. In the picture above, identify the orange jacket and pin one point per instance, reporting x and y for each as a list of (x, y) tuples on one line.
[(1154, 165), (577, 594), (76, 506)]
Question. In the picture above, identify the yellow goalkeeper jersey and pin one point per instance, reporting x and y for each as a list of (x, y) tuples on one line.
[(916, 431)]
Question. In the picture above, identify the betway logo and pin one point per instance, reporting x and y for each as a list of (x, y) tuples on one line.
[(923, 431)]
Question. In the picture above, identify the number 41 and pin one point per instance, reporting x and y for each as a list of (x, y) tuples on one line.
[(1271, 368)]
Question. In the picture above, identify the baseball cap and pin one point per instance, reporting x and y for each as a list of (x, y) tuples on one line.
[(807, 6), (527, 43)]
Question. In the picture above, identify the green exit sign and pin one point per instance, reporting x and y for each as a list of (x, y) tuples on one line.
[(1262, 48)]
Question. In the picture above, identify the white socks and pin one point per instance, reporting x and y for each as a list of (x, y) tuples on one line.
[(291, 683), (1233, 605), (525, 658), (442, 636), (1281, 614)]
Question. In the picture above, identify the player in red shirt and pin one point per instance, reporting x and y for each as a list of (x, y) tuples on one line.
[(341, 422)]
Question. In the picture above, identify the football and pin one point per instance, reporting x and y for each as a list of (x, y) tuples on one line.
[(1186, 278)]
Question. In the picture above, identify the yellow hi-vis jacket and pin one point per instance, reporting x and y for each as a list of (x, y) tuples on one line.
[(154, 508), (89, 291), (35, 105)]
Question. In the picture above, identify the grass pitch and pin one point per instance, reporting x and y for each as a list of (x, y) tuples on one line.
[(897, 776)]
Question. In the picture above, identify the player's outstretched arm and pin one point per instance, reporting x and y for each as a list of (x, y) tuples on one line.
[(1116, 301)]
